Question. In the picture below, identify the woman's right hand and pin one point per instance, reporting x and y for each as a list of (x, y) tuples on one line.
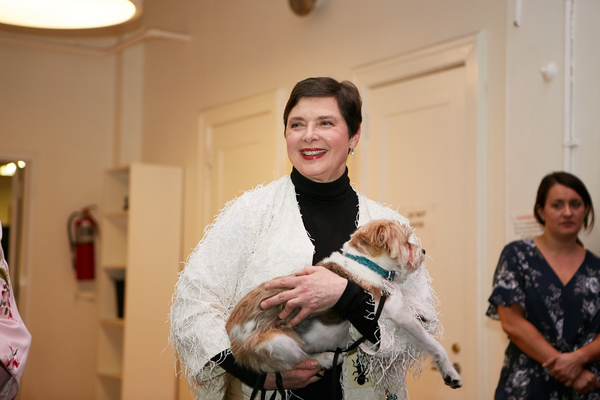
[(586, 382), (312, 289), (301, 375)]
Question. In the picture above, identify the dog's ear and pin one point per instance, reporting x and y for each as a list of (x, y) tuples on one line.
[(369, 238), (361, 241), (380, 236), (388, 236), (392, 238)]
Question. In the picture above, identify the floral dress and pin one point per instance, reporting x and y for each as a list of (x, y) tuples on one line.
[(568, 316)]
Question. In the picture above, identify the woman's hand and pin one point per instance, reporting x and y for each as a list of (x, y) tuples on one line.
[(303, 374), (313, 289), (586, 382), (564, 367)]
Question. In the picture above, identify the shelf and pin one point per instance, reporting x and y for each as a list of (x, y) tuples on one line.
[(110, 375), (117, 214), (114, 267), (115, 271), (113, 322), (139, 264), (119, 170)]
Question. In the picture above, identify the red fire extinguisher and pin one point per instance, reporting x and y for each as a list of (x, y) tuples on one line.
[(81, 229)]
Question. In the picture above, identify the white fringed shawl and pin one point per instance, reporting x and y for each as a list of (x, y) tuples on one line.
[(255, 238)]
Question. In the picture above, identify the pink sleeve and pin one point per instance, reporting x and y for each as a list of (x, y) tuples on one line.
[(15, 339)]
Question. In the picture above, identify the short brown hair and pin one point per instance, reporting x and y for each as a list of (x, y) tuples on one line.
[(345, 94)]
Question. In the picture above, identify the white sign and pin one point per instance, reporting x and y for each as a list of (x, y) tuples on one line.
[(524, 225)]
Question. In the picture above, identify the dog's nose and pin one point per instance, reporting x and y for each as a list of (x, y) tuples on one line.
[(423, 250)]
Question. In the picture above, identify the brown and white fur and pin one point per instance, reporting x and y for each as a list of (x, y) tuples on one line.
[(263, 342)]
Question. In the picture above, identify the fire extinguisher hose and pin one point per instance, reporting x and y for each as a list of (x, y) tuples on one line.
[(71, 240)]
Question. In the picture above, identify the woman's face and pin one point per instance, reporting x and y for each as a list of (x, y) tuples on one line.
[(564, 211), (317, 139)]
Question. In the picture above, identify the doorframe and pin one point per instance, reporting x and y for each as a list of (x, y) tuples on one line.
[(471, 53)]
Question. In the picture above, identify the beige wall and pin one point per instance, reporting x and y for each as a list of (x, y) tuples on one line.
[(60, 111), (56, 112)]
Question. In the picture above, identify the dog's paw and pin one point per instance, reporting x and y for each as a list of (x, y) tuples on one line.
[(326, 359), (453, 380)]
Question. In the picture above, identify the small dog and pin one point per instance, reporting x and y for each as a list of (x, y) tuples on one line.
[(263, 342)]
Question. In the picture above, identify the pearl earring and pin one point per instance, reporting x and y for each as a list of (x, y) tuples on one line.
[(352, 152)]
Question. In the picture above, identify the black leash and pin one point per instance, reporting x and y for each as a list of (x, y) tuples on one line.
[(260, 382), (280, 388), (354, 345)]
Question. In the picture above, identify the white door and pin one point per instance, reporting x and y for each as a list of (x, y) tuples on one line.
[(419, 156), (244, 147), (242, 159)]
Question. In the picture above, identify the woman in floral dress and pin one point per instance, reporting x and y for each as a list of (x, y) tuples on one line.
[(547, 296)]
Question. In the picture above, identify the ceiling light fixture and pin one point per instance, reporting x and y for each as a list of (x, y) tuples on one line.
[(68, 14), (304, 7)]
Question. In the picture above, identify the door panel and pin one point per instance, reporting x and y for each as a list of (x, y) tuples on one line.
[(419, 157), (242, 159), (242, 146)]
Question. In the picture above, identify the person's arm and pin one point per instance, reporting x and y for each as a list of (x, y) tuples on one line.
[(227, 361), (524, 334), (566, 367), (531, 342), (315, 288), (206, 290), (303, 373), (14, 335), (586, 382), (357, 306)]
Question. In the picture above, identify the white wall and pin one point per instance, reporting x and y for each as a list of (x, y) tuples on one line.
[(56, 111), (586, 103), (536, 107)]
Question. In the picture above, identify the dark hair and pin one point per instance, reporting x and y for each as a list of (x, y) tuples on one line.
[(345, 94), (570, 181)]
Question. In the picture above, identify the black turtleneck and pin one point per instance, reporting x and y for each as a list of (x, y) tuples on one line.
[(329, 212)]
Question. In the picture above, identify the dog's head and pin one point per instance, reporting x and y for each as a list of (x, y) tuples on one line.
[(380, 238)]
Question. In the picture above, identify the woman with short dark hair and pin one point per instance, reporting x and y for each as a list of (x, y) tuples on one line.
[(284, 228)]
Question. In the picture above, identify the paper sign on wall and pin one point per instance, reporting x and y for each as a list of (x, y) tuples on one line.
[(524, 225), (422, 220)]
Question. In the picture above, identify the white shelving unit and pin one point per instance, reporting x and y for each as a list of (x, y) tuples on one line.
[(140, 244)]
